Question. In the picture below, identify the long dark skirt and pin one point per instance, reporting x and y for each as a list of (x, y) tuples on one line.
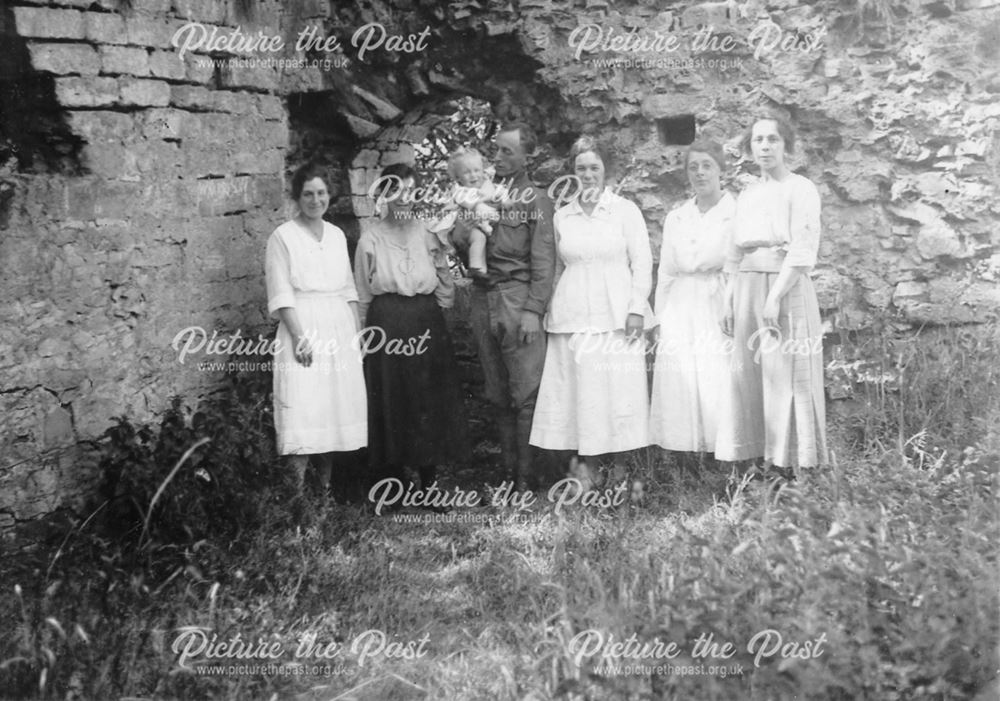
[(416, 412)]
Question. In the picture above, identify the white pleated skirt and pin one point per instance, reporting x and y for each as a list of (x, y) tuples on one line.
[(775, 407)]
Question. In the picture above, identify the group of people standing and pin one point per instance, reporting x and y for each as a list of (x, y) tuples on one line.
[(739, 363), (561, 315)]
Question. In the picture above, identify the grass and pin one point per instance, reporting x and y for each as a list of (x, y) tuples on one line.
[(879, 573)]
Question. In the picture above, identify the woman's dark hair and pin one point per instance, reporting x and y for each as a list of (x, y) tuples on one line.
[(785, 130), (303, 174), (710, 148), (588, 144), (392, 176)]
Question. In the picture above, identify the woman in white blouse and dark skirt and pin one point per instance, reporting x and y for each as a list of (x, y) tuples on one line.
[(776, 406), (692, 353), (416, 413), (593, 397), (319, 389)]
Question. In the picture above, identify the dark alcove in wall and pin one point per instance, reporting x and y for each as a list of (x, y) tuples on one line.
[(676, 131), (374, 112)]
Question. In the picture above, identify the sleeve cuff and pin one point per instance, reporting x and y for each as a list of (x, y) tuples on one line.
[(638, 307), (533, 305), (444, 295), (800, 259), (285, 299)]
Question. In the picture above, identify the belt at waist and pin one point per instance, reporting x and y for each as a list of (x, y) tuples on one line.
[(698, 273), (317, 294), (484, 283), (763, 260)]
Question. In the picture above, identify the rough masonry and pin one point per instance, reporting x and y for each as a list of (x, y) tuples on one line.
[(138, 187)]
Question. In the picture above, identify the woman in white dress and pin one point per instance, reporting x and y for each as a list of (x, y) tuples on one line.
[(777, 407), (593, 397), (692, 353), (319, 387)]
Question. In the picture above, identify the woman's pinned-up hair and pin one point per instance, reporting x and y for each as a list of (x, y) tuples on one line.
[(709, 147), (392, 177), (590, 144), (303, 174), (785, 130)]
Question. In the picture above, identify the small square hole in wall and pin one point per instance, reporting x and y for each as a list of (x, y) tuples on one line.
[(676, 131)]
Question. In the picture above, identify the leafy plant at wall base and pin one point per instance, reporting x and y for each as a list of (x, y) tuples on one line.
[(223, 486)]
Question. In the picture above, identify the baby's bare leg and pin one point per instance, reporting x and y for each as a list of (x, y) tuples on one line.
[(484, 217), (477, 250)]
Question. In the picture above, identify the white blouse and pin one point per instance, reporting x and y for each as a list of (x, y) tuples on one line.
[(296, 263), (604, 267), (777, 224), (407, 263), (694, 242)]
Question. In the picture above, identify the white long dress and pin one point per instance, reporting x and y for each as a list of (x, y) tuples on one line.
[(321, 408), (593, 396), (693, 354)]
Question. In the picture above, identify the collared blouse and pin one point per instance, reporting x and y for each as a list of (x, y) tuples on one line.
[(695, 242), (603, 267), (406, 263), (295, 262)]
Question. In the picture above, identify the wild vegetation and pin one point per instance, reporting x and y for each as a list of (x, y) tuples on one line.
[(878, 573)]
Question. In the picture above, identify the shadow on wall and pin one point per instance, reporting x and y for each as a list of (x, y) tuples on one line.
[(34, 136)]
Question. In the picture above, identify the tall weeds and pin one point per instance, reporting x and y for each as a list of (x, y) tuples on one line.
[(888, 556)]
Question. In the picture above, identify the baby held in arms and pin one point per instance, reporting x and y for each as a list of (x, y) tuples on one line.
[(477, 198)]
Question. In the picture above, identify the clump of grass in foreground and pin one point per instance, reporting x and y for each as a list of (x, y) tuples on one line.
[(894, 566), (889, 559), (92, 602), (939, 384)]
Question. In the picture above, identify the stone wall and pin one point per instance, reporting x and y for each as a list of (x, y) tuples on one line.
[(140, 187), (896, 106), (179, 179)]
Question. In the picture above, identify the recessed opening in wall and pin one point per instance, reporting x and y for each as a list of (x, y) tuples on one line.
[(320, 133), (676, 131)]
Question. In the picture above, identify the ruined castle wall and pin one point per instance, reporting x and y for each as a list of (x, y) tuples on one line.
[(158, 219), (181, 179)]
